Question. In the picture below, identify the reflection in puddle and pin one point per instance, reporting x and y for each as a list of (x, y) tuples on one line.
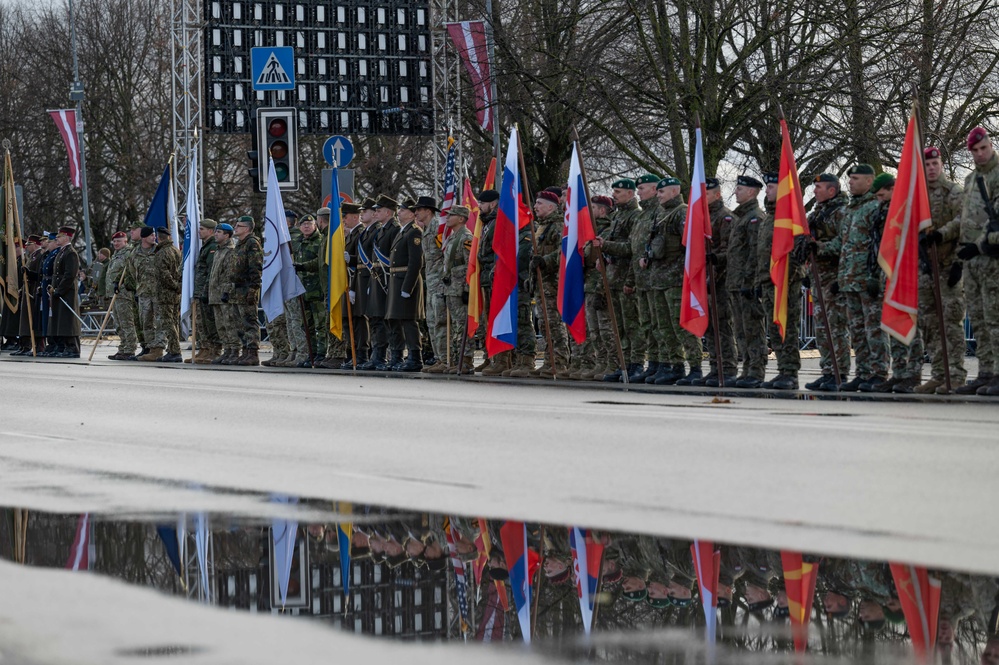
[(640, 598)]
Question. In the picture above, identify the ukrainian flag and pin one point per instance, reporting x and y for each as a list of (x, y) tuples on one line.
[(335, 265)]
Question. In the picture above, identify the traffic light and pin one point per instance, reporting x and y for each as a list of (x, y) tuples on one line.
[(277, 138), (254, 156)]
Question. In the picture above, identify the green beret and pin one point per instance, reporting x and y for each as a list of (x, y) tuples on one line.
[(623, 183), (245, 218), (883, 181), (658, 603), (667, 182), (635, 596), (208, 223), (861, 169), (135, 225), (648, 177)]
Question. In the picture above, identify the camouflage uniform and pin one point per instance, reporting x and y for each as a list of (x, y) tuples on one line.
[(855, 277), (981, 273), (721, 222), (308, 258), (124, 304), (208, 334), (598, 352), (247, 267), (906, 359), (946, 198), (825, 222), (220, 289), (676, 344), (621, 276), (748, 311), (456, 250), (549, 245), (786, 349), (140, 267), (487, 260), (166, 273), (433, 258)]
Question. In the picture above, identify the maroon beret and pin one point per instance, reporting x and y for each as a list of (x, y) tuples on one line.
[(552, 197), (604, 200), (975, 135), (931, 152), (118, 234)]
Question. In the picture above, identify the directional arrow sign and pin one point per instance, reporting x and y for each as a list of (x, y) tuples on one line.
[(338, 151)]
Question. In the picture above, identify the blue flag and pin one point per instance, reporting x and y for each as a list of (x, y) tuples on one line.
[(159, 210)]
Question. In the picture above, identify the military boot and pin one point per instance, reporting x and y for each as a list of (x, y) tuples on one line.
[(220, 358), (814, 385), (906, 386), (361, 358), (210, 353), (695, 374), (641, 375), (498, 364), (971, 387), (377, 357), (273, 360), (249, 359), (929, 387), (670, 377), (851, 386), (462, 367), (395, 360), (413, 363), (832, 385), (152, 356), (877, 384), (233, 357), (991, 388), (523, 366), (785, 382)]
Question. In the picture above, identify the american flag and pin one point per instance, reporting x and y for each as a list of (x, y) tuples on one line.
[(459, 575), (450, 190)]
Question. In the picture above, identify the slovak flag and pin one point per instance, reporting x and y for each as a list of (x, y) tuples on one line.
[(514, 537), (587, 557), (578, 231), (502, 324), (707, 566), (694, 297)]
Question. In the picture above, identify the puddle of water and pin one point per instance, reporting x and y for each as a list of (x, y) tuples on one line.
[(385, 572)]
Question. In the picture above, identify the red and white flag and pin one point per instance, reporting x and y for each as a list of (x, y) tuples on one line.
[(79, 553), (694, 297), (65, 120), (469, 38)]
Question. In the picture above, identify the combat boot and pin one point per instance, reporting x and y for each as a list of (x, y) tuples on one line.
[(671, 377), (991, 389), (663, 369), (832, 385), (413, 363), (249, 359), (152, 356), (877, 384), (220, 358), (377, 357), (930, 387), (583, 372), (695, 374), (349, 365), (234, 357), (785, 382), (851, 386), (486, 362), (971, 387), (641, 375), (906, 386), (614, 376), (498, 364), (814, 385), (395, 359), (750, 383), (522, 367)]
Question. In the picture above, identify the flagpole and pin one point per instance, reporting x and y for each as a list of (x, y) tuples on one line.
[(107, 315), (934, 255), (534, 247), (601, 265), (194, 333), (76, 93), (350, 329), (28, 302), (491, 54), (541, 577)]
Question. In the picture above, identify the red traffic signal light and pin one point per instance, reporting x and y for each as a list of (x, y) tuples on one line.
[(276, 131)]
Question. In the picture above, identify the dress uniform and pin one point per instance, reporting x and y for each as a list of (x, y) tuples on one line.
[(405, 307)]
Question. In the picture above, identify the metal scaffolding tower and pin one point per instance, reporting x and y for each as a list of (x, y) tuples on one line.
[(188, 120), (447, 90)]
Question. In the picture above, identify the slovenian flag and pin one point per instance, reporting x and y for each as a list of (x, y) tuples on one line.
[(578, 231)]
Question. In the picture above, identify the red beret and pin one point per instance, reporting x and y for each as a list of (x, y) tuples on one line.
[(119, 234), (975, 135), (67, 231), (552, 197), (931, 152), (604, 200)]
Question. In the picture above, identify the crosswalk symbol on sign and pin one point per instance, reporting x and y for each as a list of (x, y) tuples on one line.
[(273, 73)]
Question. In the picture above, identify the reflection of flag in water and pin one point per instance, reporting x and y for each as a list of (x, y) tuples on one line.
[(514, 537), (171, 544), (799, 584), (79, 553), (484, 546), (576, 233), (586, 559), (919, 595), (707, 566), (343, 534), (459, 575), (284, 533), (493, 620)]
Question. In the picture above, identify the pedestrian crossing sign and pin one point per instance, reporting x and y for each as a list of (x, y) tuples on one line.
[(272, 68)]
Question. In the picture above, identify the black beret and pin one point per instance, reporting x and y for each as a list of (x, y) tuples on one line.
[(749, 181), (488, 196), (711, 183), (861, 169), (146, 231), (771, 177)]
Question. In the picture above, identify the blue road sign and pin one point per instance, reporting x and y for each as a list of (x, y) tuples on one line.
[(272, 67), (339, 147)]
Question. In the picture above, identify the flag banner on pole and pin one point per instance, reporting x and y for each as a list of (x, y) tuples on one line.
[(344, 531), (172, 213), (459, 576), (279, 281), (514, 537), (707, 566), (192, 242), (469, 38), (483, 546), (285, 534), (493, 620), (697, 227), (450, 187), (799, 584), (171, 544), (79, 553), (789, 223), (336, 266), (919, 595), (473, 275), (11, 236), (201, 551), (158, 214), (65, 120), (576, 233), (586, 559), (502, 324), (898, 256), (490, 182)]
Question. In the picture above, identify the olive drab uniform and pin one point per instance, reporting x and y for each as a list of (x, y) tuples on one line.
[(433, 257), (219, 289), (119, 280), (405, 306), (457, 248), (208, 334), (747, 308), (906, 359), (825, 222), (786, 349), (860, 288), (676, 344), (140, 267), (598, 353), (308, 258), (721, 223), (946, 199), (166, 297), (981, 273), (549, 245), (524, 363), (247, 270), (621, 276)]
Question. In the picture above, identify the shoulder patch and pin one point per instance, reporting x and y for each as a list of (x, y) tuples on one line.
[(417, 241), (754, 220), (727, 218), (468, 243)]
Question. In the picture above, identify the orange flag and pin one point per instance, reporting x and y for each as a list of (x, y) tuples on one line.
[(919, 595), (473, 274), (898, 256), (490, 182), (789, 222), (799, 584)]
